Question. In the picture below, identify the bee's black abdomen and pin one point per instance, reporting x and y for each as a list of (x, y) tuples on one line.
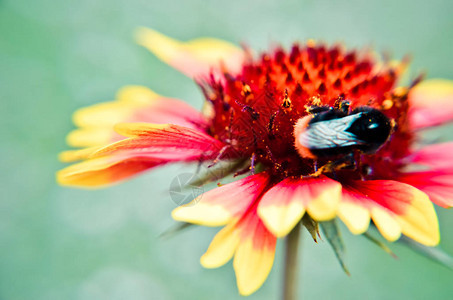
[(373, 128), (331, 152)]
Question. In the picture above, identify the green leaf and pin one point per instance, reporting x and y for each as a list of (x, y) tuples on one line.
[(435, 254), (379, 244), (311, 226), (333, 236)]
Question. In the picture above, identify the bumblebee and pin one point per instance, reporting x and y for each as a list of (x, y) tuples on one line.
[(333, 132)]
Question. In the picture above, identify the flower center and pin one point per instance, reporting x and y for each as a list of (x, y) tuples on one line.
[(255, 112)]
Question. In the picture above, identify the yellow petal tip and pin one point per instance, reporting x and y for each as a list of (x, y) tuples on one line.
[(355, 217), (161, 45), (74, 155), (201, 214), (280, 220), (208, 263), (419, 221), (137, 94)]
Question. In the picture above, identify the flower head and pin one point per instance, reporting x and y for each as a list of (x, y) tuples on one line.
[(319, 131)]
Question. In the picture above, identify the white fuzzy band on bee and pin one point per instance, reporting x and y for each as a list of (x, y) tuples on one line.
[(324, 135)]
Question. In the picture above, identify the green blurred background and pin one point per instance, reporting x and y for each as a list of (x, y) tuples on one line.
[(57, 56)]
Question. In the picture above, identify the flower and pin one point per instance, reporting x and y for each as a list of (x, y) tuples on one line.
[(256, 110)]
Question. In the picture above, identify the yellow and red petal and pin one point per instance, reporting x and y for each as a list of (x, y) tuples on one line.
[(353, 214), (165, 141), (437, 156), (437, 181), (387, 225), (224, 204), (193, 58), (437, 184), (222, 247), (395, 208), (150, 146), (431, 103), (137, 104), (253, 247), (255, 254), (92, 137), (75, 155), (133, 104), (283, 205), (104, 171), (109, 113)]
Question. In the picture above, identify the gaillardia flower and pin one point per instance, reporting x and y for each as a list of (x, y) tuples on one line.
[(319, 132)]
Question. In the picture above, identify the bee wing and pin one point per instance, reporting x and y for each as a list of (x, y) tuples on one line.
[(330, 134)]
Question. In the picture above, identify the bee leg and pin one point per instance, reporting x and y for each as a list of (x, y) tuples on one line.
[(331, 166), (316, 109), (344, 106), (318, 171)]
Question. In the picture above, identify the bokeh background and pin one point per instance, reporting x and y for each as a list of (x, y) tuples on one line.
[(60, 55)]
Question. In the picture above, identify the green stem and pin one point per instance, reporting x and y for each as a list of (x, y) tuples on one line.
[(291, 264)]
